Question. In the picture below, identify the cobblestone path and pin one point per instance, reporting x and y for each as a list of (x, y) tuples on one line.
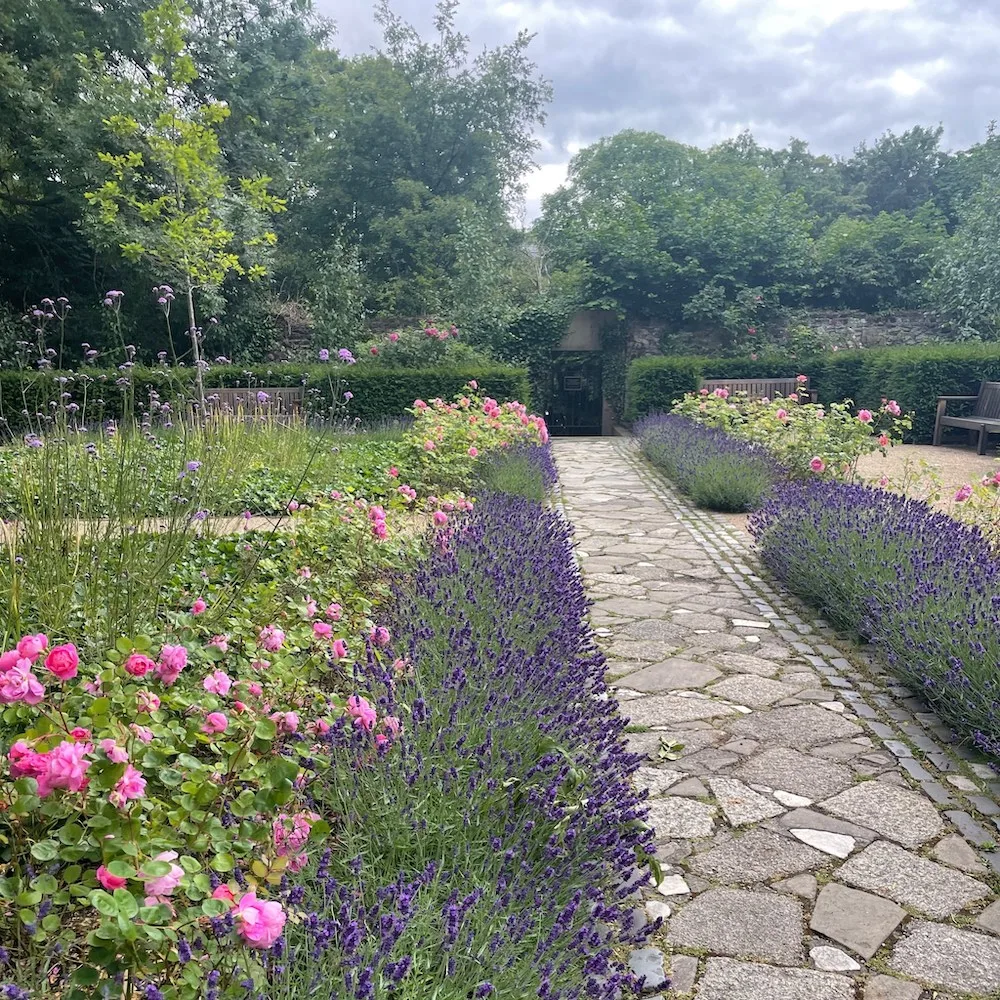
[(820, 838)]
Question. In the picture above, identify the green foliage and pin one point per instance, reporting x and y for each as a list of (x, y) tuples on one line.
[(914, 376)]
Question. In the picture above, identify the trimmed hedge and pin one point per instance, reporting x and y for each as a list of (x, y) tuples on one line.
[(378, 393), (914, 376)]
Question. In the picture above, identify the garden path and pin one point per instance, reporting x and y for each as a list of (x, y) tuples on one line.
[(821, 838)]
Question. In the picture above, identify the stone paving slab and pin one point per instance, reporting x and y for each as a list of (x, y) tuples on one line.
[(807, 783)]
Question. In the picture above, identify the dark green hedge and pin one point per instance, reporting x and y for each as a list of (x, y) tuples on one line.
[(378, 393), (914, 376)]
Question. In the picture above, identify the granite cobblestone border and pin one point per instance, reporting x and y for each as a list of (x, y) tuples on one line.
[(822, 835)]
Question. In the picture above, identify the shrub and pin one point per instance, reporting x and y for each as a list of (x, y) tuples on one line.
[(423, 347), (807, 438), (915, 376), (481, 857), (715, 469), (28, 397), (918, 584), (527, 471)]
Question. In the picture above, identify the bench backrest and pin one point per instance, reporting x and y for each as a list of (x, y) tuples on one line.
[(758, 388), (988, 400), (259, 399)]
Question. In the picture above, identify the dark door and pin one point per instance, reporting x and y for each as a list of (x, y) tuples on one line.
[(577, 401)]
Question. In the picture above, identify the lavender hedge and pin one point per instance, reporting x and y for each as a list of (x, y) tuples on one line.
[(489, 852), (922, 587), (713, 468)]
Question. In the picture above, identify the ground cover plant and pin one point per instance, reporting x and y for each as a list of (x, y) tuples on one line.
[(711, 466), (343, 754), (913, 581)]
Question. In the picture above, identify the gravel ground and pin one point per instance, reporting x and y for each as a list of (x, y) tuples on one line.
[(952, 465)]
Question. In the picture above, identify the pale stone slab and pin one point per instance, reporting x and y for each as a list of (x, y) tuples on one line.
[(889, 988), (692, 788), (890, 871), (832, 959), (811, 777), (790, 800), (657, 779), (671, 674), (740, 804), (803, 886), (949, 958), (747, 663), (796, 726), (683, 969), (672, 885), (809, 819), (664, 709), (897, 813), (956, 851), (675, 816), (836, 844), (857, 920), (647, 964), (757, 856), (655, 910), (742, 924), (750, 689), (725, 979), (989, 919)]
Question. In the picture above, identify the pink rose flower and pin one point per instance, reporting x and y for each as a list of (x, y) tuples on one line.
[(339, 649), (311, 608), (293, 506), (255, 689), (333, 612), (31, 646), (440, 518), (109, 881), (883, 440), (322, 630), (782, 415), (20, 684), (225, 893), (428, 445), (893, 407), (131, 785), (80, 733), (138, 665), (218, 682), (271, 638), (143, 734), (163, 885), (287, 722), (801, 379), (198, 607), (220, 642), (259, 922), (146, 702), (963, 493), (173, 659), (113, 751), (817, 464), (63, 661), (25, 762), (65, 768), (380, 636), (215, 722), (362, 713), (865, 416), (473, 452)]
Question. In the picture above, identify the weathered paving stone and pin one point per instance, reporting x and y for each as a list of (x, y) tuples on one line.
[(837, 845), (692, 788), (655, 910), (656, 630), (791, 800), (857, 920), (683, 970), (675, 816), (837, 751), (663, 709), (969, 828), (742, 924), (740, 804), (897, 813), (890, 988), (749, 689), (657, 779), (796, 772), (989, 919), (670, 675), (647, 963), (832, 959), (756, 856), (800, 725), (747, 663), (809, 819), (726, 979), (641, 651), (955, 851), (949, 957), (671, 885), (888, 870), (803, 886)]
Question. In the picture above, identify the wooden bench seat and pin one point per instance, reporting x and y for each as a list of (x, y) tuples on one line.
[(761, 388), (985, 417)]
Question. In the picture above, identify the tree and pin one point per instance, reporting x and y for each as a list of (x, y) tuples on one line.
[(179, 207), (898, 172)]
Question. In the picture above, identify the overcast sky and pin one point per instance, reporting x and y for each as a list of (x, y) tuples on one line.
[(832, 72)]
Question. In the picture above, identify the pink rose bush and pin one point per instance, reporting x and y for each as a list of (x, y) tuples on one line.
[(804, 437)]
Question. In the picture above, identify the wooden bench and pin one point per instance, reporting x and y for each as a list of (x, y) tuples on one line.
[(257, 399), (761, 388), (985, 416)]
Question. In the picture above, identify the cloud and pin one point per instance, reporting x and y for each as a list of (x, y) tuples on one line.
[(833, 73)]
